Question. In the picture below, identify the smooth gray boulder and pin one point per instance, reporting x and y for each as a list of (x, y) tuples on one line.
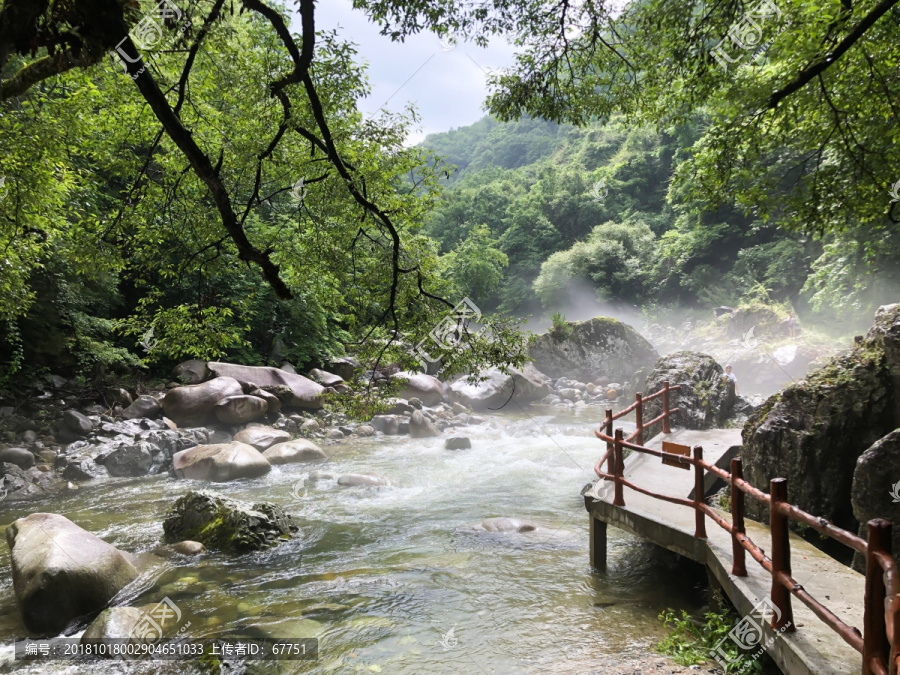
[(519, 385), (130, 460), (421, 427), (599, 346), (273, 403), (114, 623), (295, 452), (61, 573), (419, 385), (226, 524), (509, 525), (143, 406), (305, 393), (361, 479), (240, 409), (194, 371), (191, 406), (78, 424), (220, 463), (21, 457), (389, 425), (325, 378), (261, 437)]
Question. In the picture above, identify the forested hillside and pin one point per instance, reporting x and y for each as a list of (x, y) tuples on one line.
[(538, 214)]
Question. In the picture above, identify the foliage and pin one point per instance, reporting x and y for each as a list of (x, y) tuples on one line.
[(693, 641), (560, 329)]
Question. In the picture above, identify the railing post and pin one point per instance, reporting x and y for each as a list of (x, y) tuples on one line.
[(781, 555), (665, 397), (619, 497), (639, 418), (699, 492), (875, 641), (738, 568), (610, 460)]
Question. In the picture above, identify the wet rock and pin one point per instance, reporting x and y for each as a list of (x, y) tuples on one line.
[(422, 427), (62, 573), (304, 392), (416, 403), (262, 437), (315, 476), (192, 405), (459, 408), (194, 371), (600, 345), (509, 525), (81, 469), (187, 547), (113, 624), (77, 423), (335, 435), (520, 385), (295, 452), (240, 409), (706, 398), (226, 524), (117, 395), (424, 387), (325, 378), (311, 426), (220, 437), (220, 463), (457, 443), (389, 425), (144, 406), (365, 430), (21, 457), (362, 479), (398, 406), (129, 460)]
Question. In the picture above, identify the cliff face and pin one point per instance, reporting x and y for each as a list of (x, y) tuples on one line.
[(814, 431)]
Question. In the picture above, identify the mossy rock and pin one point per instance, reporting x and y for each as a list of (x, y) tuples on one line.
[(226, 524)]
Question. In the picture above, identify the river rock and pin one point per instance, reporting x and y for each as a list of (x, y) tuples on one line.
[(362, 479), (82, 469), (191, 406), (220, 463), (389, 425), (508, 525), (706, 398), (520, 385), (457, 443), (421, 386), (240, 409), (325, 378), (62, 573), (295, 452), (599, 346), (814, 431), (129, 460), (365, 430), (187, 548), (143, 406), (78, 424), (21, 457), (397, 406), (304, 392), (262, 437), (421, 427), (226, 524), (114, 623), (344, 367), (272, 401), (118, 395), (311, 426), (194, 371)]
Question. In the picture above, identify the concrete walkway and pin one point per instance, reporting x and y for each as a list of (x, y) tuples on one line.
[(813, 648)]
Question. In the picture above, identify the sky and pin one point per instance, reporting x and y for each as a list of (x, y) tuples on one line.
[(446, 83)]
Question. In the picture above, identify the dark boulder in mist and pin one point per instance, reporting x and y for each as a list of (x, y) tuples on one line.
[(814, 431), (601, 346)]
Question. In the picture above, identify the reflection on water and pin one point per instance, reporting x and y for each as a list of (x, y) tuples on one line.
[(396, 579)]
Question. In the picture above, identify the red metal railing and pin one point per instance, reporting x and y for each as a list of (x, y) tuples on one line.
[(879, 643), (638, 408)]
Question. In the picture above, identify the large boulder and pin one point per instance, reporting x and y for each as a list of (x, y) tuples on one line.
[(62, 574), (814, 431), (421, 427), (874, 488), (295, 452), (706, 397), (194, 371), (220, 463), (600, 346), (130, 460), (520, 385), (262, 437), (325, 378), (21, 457), (344, 367), (191, 406), (115, 623), (419, 385), (240, 409), (78, 424), (305, 393), (143, 406), (226, 524)]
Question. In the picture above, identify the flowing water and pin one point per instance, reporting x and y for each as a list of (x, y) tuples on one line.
[(396, 579)]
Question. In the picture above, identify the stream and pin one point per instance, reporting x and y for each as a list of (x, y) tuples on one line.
[(395, 579)]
